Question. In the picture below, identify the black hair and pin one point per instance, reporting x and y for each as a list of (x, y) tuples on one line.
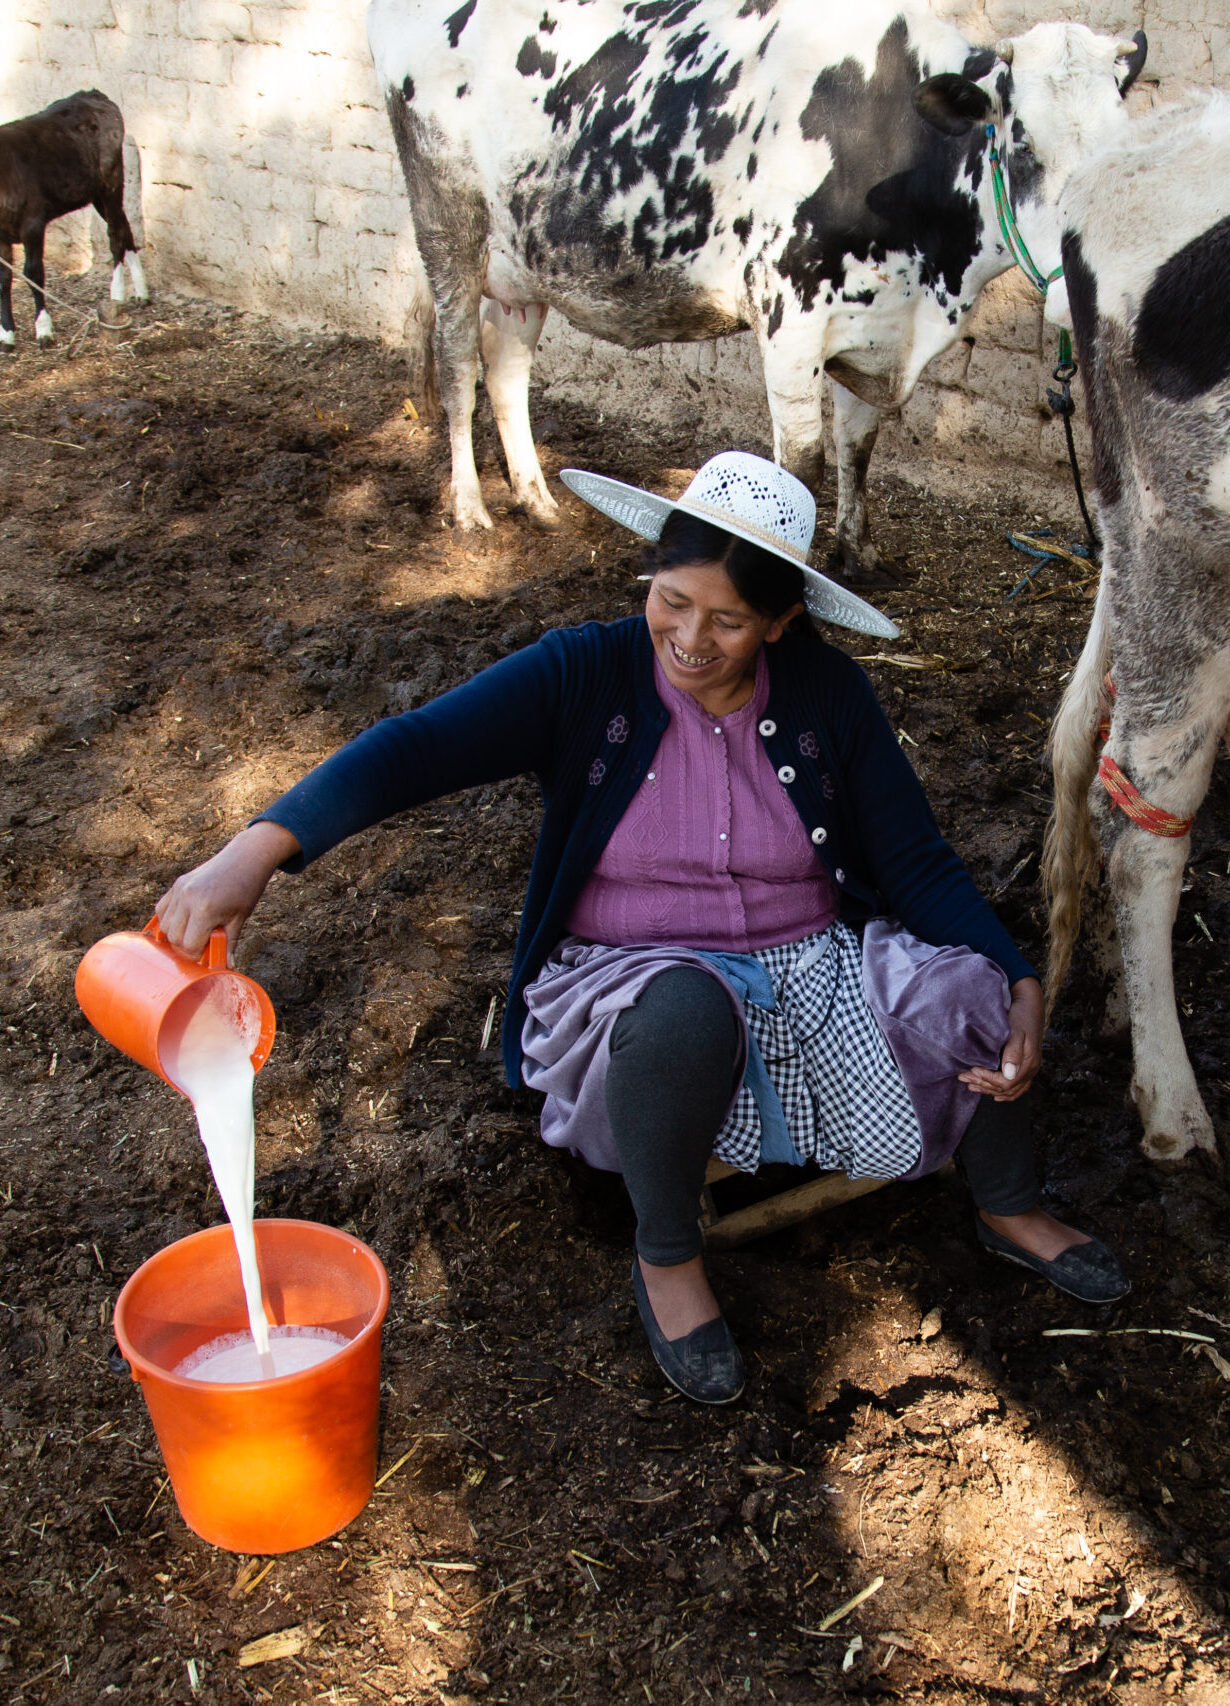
[(769, 584)]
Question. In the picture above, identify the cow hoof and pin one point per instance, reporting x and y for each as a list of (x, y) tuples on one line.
[(8, 340), (463, 506), (1167, 1144), (864, 568), (1159, 1146), (136, 273), (44, 331), (540, 518), (1114, 1037), (465, 521)]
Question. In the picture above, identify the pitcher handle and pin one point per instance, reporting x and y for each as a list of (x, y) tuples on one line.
[(214, 957)]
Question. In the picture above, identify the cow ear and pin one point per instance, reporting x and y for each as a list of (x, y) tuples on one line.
[(1131, 59), (951, 104)]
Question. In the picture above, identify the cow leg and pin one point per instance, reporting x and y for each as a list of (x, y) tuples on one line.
[(1171, 768), (457, 298), (508, 342), (451, 225), (856, 426), (457, 350), (453, 254), (794, 392), (451, 229), (1114, 1023), (8, 331), (32, 243), (1146, 874)]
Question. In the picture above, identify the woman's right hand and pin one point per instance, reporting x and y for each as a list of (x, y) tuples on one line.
[(221, 893)]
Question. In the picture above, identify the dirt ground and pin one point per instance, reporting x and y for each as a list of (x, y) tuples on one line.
[(221, 554)]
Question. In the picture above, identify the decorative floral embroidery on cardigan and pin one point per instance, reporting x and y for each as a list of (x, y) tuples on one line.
[(597, 771), (617, 730), (809, 746)]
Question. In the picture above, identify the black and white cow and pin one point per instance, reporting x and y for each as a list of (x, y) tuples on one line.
[(670, 170), (68, 156), (1146, 254)]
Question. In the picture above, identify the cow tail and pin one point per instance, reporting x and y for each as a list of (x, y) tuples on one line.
[(421, 355), (1070, 852), (430, 385)]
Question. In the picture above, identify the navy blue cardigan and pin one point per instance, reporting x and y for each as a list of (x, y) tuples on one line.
[(580, 710)]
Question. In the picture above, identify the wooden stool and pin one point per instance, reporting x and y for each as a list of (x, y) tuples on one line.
[(723, 1231)]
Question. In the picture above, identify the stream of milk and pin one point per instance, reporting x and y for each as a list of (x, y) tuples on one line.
[(210, 1063)]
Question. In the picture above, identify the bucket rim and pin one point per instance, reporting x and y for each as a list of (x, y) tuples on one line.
[(155, 1371)]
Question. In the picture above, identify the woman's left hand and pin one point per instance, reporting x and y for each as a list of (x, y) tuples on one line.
[(1022, 1053)]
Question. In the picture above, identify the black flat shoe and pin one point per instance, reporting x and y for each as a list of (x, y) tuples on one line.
[(1087, 1271), (705, 1364)]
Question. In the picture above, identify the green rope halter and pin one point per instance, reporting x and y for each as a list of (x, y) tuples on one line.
[(1016, 244), (1060, 401)]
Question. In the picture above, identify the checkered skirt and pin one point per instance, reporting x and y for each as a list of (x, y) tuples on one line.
[(845, 1104)]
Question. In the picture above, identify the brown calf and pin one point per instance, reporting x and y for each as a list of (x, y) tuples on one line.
[(68, 156)]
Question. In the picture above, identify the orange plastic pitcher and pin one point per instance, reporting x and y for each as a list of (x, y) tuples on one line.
[(140, 992), (262, 1465)]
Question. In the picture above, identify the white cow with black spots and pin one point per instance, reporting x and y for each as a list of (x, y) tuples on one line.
[(669, 170), (1146, 255)]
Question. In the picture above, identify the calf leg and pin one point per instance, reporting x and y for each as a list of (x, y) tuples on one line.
[(110, 207), (1171, 768), (32, 243), (856, 426), (508, 343), (136, 272), (8, 331)]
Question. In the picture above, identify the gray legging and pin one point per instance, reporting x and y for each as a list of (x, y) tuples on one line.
[(669, 1085)]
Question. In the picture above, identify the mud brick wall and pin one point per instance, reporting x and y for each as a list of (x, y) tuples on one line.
[(269, 181)]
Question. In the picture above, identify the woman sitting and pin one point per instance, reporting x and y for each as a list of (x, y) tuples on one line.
[(725, 807)]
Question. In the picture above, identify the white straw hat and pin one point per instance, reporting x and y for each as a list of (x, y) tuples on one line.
[(751, 498)]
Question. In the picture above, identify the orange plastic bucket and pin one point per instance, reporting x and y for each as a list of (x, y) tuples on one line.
[(266, 1465), (140, 992)]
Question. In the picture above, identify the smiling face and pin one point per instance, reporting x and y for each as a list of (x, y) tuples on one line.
[(706, 636)]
